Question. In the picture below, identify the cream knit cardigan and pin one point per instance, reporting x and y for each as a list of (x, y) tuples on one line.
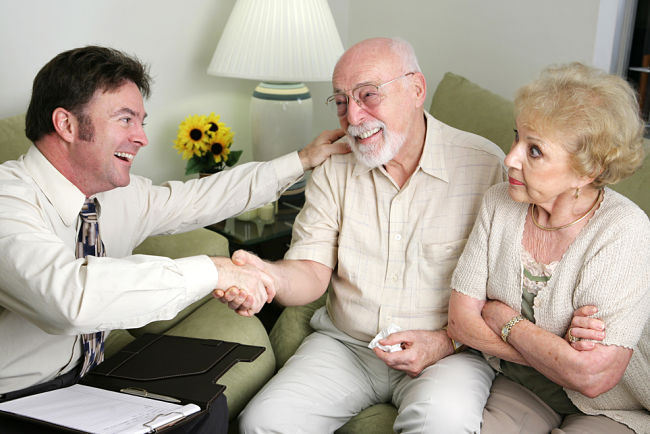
[(607, 265)]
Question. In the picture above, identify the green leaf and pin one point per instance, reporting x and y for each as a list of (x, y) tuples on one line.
[(192, 167), (204, 163), (233, 158)]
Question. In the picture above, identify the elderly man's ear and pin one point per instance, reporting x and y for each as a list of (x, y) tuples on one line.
[(420, 84)]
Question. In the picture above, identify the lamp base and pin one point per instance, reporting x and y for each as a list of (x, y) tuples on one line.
[(281, 120)]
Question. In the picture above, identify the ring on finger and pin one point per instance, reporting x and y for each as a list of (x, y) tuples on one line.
[(572, 338)]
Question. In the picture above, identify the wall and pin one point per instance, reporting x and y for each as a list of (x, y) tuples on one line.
[(176, 39), (499, 44)]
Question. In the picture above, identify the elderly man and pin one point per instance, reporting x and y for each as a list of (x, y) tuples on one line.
[(63, 285), (386, 224)]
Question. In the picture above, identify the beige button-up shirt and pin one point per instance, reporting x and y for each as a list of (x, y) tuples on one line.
[(393, 250)]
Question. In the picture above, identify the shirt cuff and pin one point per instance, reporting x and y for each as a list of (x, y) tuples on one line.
[(201, 276), (288, 169), (324, 255)]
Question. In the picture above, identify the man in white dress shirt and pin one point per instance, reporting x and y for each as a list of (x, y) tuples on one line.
[(86, 121)]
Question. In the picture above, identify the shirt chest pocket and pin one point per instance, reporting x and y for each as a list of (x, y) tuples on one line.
[(443, 252), (437, 262)]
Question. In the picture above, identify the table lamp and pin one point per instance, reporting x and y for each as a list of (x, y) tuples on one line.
[(282, 43)]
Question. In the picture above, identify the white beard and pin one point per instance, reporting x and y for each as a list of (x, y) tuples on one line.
[(374, 155)]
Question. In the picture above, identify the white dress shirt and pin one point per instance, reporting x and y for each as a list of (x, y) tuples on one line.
[(48, 297)]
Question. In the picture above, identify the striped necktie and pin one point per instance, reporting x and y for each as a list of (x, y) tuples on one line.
[(89, 243)]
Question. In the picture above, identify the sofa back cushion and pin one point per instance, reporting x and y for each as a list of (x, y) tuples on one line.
[(637, 186), (13, 142), (465, 105)]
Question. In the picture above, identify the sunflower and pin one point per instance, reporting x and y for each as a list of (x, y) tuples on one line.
[(192, 137), (205, 143), (219, 151), (213, 125)]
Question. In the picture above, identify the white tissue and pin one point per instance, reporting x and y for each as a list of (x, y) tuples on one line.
[(393, 328)]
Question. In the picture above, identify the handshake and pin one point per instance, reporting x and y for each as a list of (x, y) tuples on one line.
[(245, 282)]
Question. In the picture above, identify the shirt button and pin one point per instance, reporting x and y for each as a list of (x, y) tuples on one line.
[(398, 237), (394, 277)]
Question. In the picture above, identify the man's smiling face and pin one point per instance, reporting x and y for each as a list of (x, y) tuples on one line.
[(376, 134), (109, 135)]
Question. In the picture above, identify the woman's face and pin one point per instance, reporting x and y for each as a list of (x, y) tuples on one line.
[(539, 169)]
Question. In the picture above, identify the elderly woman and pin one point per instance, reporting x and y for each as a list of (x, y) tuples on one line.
[(550, 249)]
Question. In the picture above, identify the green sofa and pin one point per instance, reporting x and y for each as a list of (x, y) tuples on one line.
[(207, 318), (464, 105)]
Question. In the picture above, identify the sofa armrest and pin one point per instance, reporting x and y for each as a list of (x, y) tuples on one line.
[(197, 242), (291, 328)]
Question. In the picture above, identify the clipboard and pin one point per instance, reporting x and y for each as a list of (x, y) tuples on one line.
[(180, 369), (80, 408)]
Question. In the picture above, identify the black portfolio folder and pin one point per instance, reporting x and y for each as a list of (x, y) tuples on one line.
[(175, 368)]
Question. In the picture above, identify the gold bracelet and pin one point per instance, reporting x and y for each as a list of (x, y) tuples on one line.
[(505, 331)]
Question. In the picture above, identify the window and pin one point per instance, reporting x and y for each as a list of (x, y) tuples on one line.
[(638, 73)]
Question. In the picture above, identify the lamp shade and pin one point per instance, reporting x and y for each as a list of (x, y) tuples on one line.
[(278, 40)]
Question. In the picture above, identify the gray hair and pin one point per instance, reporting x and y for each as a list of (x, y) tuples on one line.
[(403, 49)]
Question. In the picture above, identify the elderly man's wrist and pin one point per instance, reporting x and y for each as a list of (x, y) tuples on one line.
[(456, 346)]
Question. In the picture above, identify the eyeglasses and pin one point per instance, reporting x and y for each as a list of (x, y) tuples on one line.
[(365, 95)]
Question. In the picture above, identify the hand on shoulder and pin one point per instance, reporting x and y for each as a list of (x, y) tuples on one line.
[(329, 142)]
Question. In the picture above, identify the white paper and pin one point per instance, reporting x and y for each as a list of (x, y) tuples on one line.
[(98, 411), (392, 328)]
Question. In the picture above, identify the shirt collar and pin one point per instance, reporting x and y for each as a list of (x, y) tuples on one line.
[(64, 196), (432, 161), (359, 168)]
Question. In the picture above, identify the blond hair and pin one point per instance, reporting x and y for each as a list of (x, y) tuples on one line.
[(595, 115)]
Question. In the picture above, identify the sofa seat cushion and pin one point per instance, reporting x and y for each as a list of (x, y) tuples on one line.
[(376, 419), (116, 340)]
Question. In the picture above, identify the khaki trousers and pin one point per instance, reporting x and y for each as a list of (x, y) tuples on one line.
[(511, 408), (332, 377)]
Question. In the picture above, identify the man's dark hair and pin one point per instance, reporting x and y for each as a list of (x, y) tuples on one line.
[(70, 80)]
